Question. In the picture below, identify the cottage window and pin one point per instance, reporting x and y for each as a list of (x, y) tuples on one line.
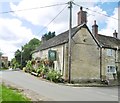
[(109, 52), (111, 69)]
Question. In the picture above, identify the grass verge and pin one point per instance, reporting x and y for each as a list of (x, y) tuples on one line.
[(8, 94)]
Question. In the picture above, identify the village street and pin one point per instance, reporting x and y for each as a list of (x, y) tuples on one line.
[(58, 92)]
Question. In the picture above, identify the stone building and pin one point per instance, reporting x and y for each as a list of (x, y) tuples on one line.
[(93, 56), (4, 61)]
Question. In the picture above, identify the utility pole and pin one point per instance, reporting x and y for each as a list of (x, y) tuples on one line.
[(69, 43), (1, 59), (21, 58)]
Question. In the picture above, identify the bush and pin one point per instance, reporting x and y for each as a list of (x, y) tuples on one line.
[(54, 76), (29, 66), (24, 69), (38, 71)]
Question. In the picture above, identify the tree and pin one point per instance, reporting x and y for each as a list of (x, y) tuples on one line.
[(18, 56), (14, 63), (48, 35), (26, 52), (0, 59)]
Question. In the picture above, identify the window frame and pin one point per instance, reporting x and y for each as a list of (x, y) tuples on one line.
[(111, 69), (109, 52)]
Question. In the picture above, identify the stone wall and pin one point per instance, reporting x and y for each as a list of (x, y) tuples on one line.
[(119, 60), (59, 63), (85, 56), (108, 60)]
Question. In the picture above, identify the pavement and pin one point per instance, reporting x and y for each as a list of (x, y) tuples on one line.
[(55, 92)]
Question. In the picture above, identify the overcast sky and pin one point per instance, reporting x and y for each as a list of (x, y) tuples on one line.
[(17, 28)]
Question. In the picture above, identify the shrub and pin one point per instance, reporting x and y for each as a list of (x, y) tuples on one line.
[(54, 76), (24, 69), (38, 71), (29, 66)]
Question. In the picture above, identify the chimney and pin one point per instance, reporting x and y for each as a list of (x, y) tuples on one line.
[(115, 34), (43, 39), (82, 16), (95, 29)]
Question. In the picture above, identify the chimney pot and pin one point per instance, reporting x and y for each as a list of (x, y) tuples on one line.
[(95, 29), (43, 39), (115, 34), (81, 8), (94, 22)]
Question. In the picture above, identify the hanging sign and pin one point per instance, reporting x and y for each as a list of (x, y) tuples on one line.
[(52, 55)]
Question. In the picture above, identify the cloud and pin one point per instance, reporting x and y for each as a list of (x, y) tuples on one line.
[(95, 13), (13, 35), (42, 17), (112, 24), (36, 16)]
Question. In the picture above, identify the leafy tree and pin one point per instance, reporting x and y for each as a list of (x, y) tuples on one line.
[(14, 63), (1, 53), (48, 35), (0, 59), (28, 49), (26, 53), (18, 56)]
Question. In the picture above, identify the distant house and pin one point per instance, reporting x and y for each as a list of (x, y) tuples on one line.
[(4, 61), (93, 56)]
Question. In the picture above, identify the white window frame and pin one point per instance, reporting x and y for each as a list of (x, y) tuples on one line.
[(109, 52), (111, 69)]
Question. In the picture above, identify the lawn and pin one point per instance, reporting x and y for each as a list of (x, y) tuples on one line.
[(9, 94)]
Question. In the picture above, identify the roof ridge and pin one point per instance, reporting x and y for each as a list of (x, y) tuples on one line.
[(59, 39), (109, 36)]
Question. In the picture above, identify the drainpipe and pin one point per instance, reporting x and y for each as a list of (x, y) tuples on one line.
[(101, 63), (116, 59), (63, 59)]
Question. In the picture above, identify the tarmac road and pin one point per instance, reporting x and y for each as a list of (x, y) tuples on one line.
[(58, 92)]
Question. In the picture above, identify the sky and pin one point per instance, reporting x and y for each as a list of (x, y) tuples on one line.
[(17, 28)]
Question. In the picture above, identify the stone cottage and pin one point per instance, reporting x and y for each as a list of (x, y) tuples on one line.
[(4, 61), (93, 56)]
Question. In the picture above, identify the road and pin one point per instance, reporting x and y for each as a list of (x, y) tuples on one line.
[(58, 92)]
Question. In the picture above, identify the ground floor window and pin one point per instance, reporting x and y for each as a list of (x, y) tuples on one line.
[(111, 69)]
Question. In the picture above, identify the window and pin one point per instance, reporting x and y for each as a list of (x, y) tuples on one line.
[(111, 69), (109, 52)]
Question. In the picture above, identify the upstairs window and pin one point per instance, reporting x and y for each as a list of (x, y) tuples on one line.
[(109, 52)]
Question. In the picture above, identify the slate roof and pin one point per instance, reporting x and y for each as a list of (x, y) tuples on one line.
[(59, 39), (104, 41), (108, 41)]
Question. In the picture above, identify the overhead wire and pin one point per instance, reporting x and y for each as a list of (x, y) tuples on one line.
[(12, 11), (52, 20), (96, 12)]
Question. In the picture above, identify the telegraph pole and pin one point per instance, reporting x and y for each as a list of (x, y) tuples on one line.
[(0, 59), (21, 59), (69, 42)]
